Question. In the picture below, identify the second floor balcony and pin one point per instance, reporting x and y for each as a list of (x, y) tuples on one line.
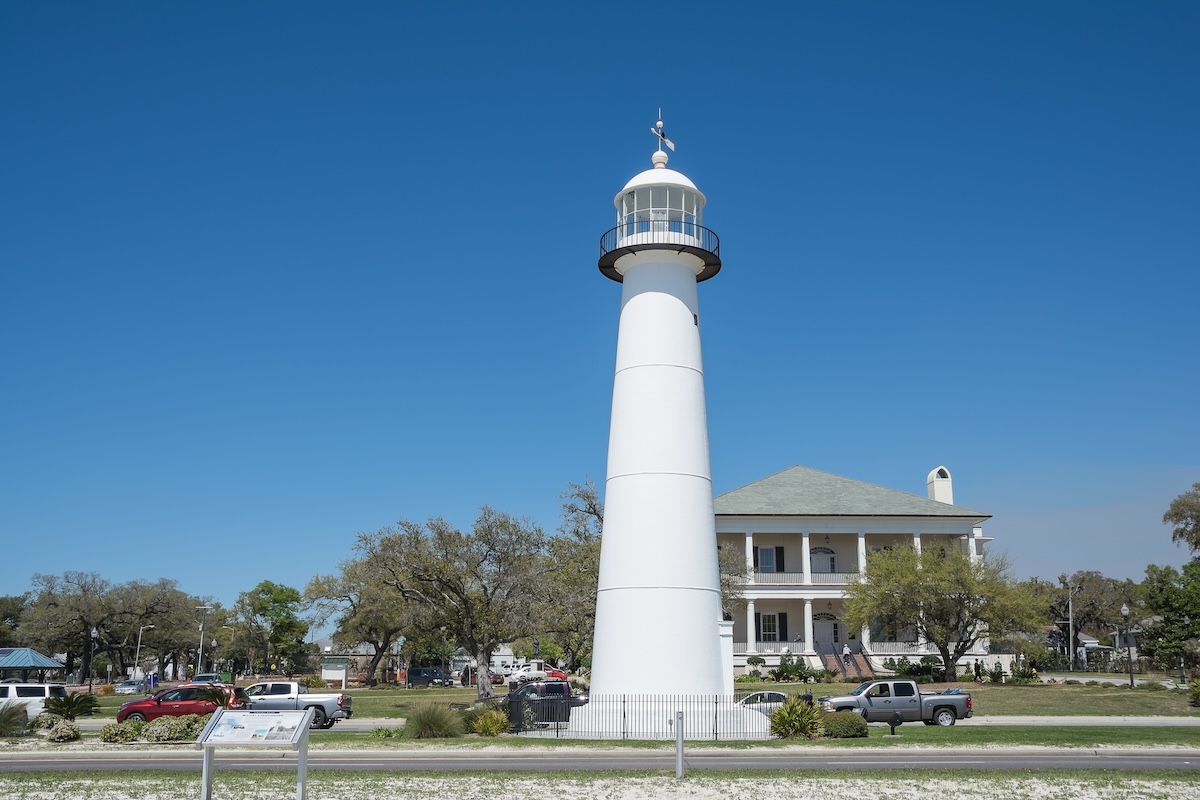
[(798, 578)]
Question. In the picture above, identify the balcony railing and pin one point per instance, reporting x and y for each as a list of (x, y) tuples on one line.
[(770, 647), (815, 578), (667, 234)]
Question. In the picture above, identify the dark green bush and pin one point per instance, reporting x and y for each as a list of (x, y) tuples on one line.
[(433, 721), (1151, 686), (796, 718), (73, 705), (1194, 692), (844, 725)]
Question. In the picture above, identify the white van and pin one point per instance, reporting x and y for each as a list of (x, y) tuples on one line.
[(31, 695)]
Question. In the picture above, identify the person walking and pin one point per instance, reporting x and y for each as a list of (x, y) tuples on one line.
[(846, 654)]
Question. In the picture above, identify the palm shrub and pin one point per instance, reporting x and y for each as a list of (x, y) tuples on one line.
[(14, 720), (844, 725), (795, 718), (73, 706), (433, 721), (490, 723)]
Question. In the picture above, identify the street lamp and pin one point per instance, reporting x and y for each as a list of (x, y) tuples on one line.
[(138, 652), (1128, 643), (1187, 623), (92, 658), (200, 652), (444, 666)]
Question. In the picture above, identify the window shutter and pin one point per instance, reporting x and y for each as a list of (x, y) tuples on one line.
[(756, 556), (757, 626), (779, 560), (783, 634)]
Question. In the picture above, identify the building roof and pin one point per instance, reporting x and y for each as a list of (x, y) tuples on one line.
[(25, 658), (801, 491)]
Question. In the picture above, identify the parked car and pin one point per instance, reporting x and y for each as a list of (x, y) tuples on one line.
[(31, 695), (764, 702), (879, 700), (427, 676), (328, 708), (131, 686), (179, 701), (539, 703), (206, 677)]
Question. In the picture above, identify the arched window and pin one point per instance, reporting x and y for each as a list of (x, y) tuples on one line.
[(823, 559)]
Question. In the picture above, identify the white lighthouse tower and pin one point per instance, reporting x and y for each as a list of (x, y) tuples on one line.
[(659, 597)]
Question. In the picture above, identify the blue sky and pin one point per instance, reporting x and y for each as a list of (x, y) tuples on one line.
[(275, 273)]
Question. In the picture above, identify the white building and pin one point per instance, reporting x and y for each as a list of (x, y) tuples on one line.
[(806, 535)]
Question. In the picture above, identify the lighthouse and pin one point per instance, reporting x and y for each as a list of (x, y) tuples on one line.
[(658, 598)]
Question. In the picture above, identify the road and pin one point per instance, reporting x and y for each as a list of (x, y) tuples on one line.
[(808, 759)]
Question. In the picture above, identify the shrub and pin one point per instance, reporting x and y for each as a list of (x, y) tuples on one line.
[(844, 725), (14, 720), (64, 731), (1071, 682), (490, 723), (433, 721), (73, 705), (747, 678), (175, 729), (105, 690), (796, 718), (1194, 692), (314, 682), (1151, 686), (121, 732), (1092, 683), (386, 733), (45, 721)]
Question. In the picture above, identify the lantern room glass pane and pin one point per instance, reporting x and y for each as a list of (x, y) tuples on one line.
[(659, 197), (676, 197), (643, 198)]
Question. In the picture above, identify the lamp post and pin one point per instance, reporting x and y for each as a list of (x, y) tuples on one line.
[(1187, 623), (138, 652), (200, 652), (444, 652), (1128, 643), (92, 658)]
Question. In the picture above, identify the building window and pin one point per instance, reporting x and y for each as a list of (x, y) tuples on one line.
[(823, 559), (768, 559), (770, 628)]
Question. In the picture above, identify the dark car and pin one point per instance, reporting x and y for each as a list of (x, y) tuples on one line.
[(541, 703), (427, 676), (179, 701)]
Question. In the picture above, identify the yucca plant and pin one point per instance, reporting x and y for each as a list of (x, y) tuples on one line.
[(13, 719), (73, 706), (433, 721), (796, 718)]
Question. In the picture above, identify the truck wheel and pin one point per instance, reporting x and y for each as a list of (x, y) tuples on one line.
[(944, 717), (318, 719), (328, 724)]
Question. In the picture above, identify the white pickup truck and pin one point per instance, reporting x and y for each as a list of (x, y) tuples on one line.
[(534, 671), (293, 696)]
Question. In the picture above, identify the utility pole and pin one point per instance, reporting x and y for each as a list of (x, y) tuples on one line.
[(200, 651)]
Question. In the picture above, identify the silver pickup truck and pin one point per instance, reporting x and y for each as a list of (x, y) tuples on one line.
[(879, 700), (293, 696)]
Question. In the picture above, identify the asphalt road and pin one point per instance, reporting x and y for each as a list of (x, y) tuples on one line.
[(809, 759)]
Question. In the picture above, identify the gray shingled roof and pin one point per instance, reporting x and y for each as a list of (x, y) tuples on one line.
[(801, 491)]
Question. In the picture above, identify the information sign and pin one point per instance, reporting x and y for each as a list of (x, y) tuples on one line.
[(237, 728)]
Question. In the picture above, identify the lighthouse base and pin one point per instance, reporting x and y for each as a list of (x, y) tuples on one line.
[(652, 718)]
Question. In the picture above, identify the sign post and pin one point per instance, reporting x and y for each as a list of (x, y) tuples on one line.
[(236, 728)]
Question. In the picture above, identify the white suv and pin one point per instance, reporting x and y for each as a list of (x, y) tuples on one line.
[(31, 695)]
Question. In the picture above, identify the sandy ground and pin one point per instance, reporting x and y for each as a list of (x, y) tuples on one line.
[(796, 787)]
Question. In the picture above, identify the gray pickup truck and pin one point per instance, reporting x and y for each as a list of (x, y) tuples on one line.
[(879, 700), (293, 696)]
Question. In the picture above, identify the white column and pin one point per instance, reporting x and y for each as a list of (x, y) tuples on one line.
[(808, 626), (807, 557), (751, 635), (974, 543), (917, 542), (862, 552), (750, 555)]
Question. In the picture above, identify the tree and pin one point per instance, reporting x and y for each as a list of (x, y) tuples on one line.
[(484, 586), (570, 608), (271, 610), (943, 596), (367, 608), (1087, 597), (1184, 514), (1173, 602), (11, 608)]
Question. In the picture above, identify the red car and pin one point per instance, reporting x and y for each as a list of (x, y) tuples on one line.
[(180, 701)]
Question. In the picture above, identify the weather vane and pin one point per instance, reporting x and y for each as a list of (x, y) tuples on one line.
[(658, 131)]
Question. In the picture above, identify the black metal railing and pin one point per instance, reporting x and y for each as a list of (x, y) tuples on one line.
[(673, 232)]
